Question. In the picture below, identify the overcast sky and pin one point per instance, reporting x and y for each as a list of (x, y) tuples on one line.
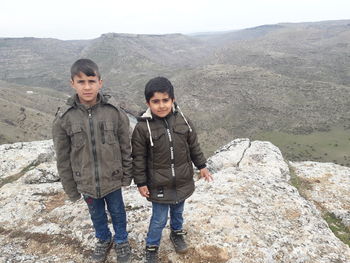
[(78, 19)]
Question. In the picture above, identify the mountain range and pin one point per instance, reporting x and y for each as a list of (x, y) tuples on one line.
[(288, 78)]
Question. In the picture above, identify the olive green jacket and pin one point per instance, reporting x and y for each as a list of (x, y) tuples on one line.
[(92, 147), (163, 150)]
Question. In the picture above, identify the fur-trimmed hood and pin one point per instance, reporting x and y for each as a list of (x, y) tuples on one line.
[(147, 116)]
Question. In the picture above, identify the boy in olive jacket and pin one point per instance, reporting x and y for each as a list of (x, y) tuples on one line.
[(91, 139), (164, 145)]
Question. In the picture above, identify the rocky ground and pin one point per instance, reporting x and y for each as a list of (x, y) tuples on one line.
[(250, 213), (327, 186)]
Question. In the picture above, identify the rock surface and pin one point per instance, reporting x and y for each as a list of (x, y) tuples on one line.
[(328, 187), (18, 156), (250, 213)]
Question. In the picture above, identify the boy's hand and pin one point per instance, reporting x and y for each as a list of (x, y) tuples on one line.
[(206, 174), (144, 191)]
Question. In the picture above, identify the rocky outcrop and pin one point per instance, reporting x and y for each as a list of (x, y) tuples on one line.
[(328, 187), (18, 156), (249, 213)]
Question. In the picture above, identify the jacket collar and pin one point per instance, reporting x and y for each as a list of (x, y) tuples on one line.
[(75, 102), (148, 115)]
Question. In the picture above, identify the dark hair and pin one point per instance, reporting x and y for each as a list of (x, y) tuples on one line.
[(86, 66), (158, 84)]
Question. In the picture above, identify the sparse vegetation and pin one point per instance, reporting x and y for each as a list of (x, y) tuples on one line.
[(299, 183), (335, 224), (338, 228)]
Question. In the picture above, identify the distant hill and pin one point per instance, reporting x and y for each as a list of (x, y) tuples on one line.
[(37, 62), (291, 78), (310, 51)]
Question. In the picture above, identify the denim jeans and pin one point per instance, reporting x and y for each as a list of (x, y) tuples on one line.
[(159, 219), (116, 209)]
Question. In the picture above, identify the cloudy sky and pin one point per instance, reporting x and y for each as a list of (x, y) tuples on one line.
[(78, 19)]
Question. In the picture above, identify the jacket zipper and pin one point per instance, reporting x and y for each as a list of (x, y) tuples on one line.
[(172, 158), (94, 153)]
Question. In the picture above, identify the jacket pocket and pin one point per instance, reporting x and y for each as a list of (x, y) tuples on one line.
[(181, 145), (157, 134), (77, 136), (158, 138), (109, 142), (78, 178), (117, 174), (181, 129), (184, 174), (160, 149), (160, 178), (107, 133), (181, 132)]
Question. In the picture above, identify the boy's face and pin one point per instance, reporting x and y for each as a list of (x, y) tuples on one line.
[(87, 88), (160, 104)]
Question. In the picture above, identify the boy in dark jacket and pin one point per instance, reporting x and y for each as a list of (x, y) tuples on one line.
[(91, 139), (164, 145)]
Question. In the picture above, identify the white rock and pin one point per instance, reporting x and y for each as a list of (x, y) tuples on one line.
[(43, 173), (15, 157), (250, 213), (228, 155), (329, 187)]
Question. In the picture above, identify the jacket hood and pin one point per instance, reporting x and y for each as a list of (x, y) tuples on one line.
[(147, 116)]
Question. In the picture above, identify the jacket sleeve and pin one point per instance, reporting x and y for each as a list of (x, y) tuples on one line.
[(196, 153), (139, 154), (125, 147), (62, 146)]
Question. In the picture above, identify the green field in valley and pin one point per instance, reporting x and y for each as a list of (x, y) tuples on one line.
[(332, 146)]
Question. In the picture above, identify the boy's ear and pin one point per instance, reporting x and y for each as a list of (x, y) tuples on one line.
[(72, 83)]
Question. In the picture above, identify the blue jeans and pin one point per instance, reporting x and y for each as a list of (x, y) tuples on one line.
[(116, 209), (159, 219)]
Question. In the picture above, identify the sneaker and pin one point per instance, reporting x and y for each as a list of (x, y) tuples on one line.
[(151, 254), (123, 252), (177, 237), (101, 250)]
